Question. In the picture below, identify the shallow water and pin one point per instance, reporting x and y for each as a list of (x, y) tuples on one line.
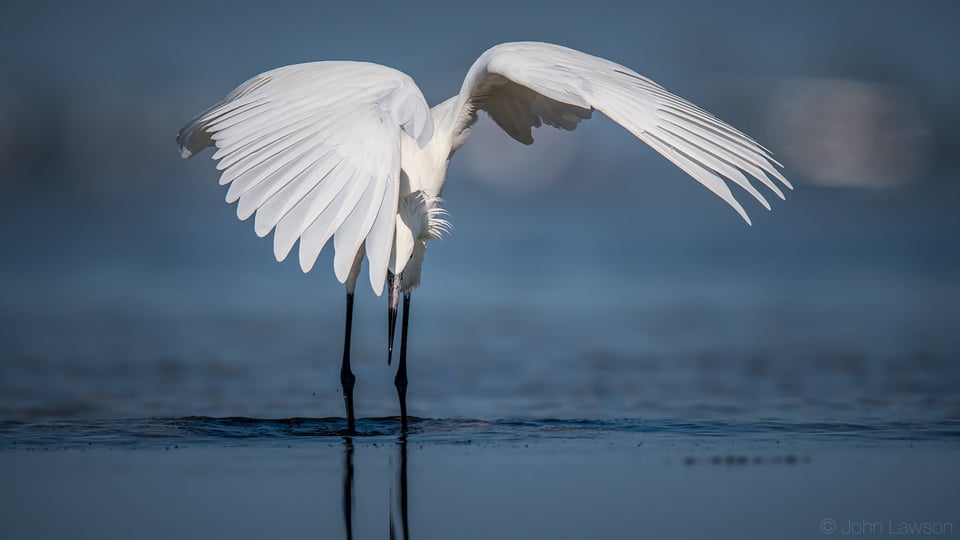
[(249, 478), (200, 431), (682, 388), (797, 319)]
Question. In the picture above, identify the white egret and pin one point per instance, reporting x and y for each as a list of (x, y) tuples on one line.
[(351, 151)]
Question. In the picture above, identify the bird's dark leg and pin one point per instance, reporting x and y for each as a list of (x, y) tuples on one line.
[(400, 381), (347, 378)]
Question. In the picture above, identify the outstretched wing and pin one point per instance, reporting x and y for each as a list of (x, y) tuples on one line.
[(524, 85), (314, 151)]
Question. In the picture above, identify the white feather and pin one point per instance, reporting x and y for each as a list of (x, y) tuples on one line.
[(510, 81), (330, 149), (311, 147)]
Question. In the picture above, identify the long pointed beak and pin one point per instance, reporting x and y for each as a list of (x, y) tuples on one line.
[(393, 299)]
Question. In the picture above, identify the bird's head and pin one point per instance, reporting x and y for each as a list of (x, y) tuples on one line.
[(405, 241), (419, 220)]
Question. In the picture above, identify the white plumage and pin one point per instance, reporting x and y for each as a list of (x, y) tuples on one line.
[(351, 151), (328, 149), (314, 151)]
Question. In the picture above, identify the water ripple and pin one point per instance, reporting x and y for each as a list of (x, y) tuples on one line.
[(201, 430)]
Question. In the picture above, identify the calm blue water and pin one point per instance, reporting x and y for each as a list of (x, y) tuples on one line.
[(246, 478), (589, 377), (526, 316)]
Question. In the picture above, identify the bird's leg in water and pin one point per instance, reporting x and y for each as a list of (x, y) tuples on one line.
[(347, 378), (400, 381)]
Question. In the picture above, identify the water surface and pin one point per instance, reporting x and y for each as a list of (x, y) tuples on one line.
[(247, 478)]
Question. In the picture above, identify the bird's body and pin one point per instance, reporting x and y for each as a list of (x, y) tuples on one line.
[(351, 151)]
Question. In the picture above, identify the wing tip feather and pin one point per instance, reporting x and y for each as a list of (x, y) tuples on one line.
[(306, 261)]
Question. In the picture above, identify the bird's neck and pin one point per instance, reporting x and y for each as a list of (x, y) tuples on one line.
[(447, 122), (426, 168), (424, 172)]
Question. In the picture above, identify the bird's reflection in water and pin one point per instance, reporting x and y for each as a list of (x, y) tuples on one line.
[(348, 486), (398, 497), (399, 500)]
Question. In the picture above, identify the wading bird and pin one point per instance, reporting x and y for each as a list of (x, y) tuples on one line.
[(351, 151)]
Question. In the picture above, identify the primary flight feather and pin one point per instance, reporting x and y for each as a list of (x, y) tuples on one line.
[(351, 151)]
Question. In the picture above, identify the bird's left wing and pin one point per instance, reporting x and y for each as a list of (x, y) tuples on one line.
[(314, 150), (527, 84)]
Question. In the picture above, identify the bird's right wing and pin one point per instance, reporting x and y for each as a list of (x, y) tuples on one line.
[(527, 84), (314, 150)]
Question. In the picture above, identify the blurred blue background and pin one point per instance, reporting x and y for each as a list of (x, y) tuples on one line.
[(585, 275)]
